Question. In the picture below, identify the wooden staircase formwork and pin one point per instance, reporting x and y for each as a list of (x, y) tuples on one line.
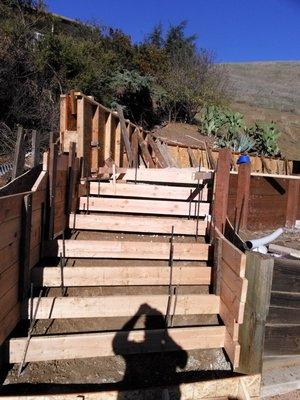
[(178, 214)]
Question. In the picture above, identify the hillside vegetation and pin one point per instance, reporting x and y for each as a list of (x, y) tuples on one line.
[(269, 91)]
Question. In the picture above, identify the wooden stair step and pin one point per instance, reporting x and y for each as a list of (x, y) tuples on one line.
[(174, 176), (121, 276), (124, 306), (127, 250), (148, 191), (84, 345), (141, 206), (140, 224)]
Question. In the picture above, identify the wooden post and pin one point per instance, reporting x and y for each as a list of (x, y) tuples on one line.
[(242, 197), (52, 186), (35, 148), (24, 281), (71, 176), (19, 157), (292, 203), (125, 134), (259, 272), (217, 265), (221, 189), (135, 148)]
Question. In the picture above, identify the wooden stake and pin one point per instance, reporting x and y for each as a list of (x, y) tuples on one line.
[(19, 157), (292, 203), (221, 189), (242, 197), (35, 148)]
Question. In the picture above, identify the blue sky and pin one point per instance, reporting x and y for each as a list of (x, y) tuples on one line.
[(236, 30)]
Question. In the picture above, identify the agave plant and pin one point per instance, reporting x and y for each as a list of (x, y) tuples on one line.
[(211, 120), (266, 137)]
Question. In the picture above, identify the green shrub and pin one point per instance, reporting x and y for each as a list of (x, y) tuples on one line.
[(266, 135)]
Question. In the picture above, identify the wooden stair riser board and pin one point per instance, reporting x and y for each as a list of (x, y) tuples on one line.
[(233, 350), (121, 276), (232, 302), (60, 347), (128, 250), (148, 191), (233, 257), (229, 321), (183, 176), (139, 206), (144, 224), (124, 306), (237, 284)]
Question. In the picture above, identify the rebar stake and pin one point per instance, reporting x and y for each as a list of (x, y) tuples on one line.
[(62, 286), (29, 334), (171, 257)]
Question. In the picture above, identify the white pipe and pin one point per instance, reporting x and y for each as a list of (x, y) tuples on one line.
[(253, 244)]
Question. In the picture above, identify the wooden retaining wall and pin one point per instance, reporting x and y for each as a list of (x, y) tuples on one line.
[(263, 202), (104, 135), (24, 227), (283, 322)]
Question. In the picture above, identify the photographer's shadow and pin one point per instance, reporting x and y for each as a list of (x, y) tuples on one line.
[(155, 365)]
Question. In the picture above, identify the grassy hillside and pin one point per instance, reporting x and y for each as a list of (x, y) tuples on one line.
[(270, 91)]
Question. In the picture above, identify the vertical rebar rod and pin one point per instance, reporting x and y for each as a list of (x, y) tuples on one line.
[(61, 263), (31, 303), (198, 206), (30, 333), (171, 258)]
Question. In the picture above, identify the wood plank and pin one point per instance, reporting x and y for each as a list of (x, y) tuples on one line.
[(285, 299), (8, 301), (145, 151), (282, 340), (10, 231), (19, 155), (232, 349), (184, 176), (142, 224), (24, 279), (59, 347), (147, 191), (129, 250), (123, 276), (123, 306), (9, 255), (227, 317), (237, 284), (194, 162), (242, 197), (292, 203), (9, 278), (284, 315), (108, 135), (140, 206), (160, 158), (286, 276), (233, 257), (259, 271), (125, 134), (232, 302), (9, 322), (222, 189)]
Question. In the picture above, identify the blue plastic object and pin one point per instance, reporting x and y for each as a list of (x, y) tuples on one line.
[(243, 159)]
